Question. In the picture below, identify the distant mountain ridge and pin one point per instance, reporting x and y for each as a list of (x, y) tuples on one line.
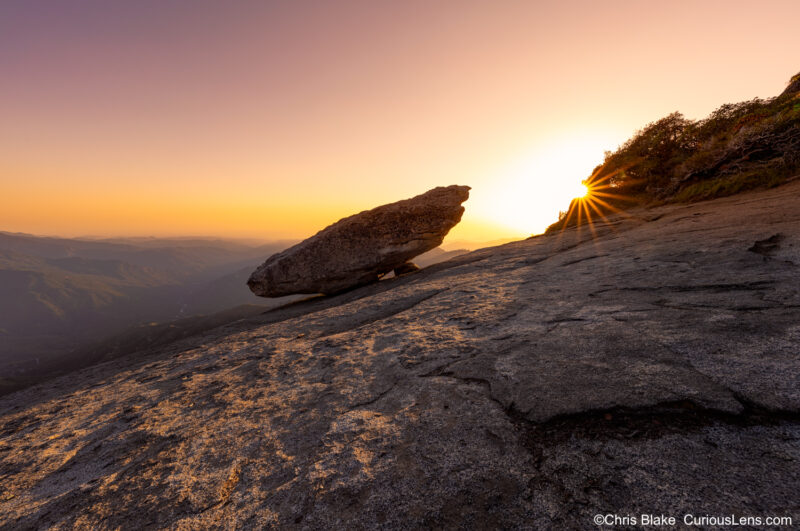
[(182, 258)]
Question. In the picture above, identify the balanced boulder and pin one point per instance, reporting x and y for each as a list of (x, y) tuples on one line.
[(359, 249)]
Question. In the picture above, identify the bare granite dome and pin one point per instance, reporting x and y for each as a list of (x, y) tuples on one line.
[(649, 367)]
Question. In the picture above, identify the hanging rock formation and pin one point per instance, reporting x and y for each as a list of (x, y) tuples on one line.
[(359, 249)]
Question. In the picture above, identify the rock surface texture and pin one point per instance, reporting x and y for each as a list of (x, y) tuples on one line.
[(359, 249), (649, 366)]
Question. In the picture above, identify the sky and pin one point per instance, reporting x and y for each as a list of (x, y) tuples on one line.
[(271, 120)]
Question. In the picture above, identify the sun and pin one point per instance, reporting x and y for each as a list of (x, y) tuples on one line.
[(581, 191), (595, 200), (527, 193)]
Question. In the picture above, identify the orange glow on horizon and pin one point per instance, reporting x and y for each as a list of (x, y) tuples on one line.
[(273, 120)]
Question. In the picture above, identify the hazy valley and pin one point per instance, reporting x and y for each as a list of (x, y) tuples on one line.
[(66, 303)]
